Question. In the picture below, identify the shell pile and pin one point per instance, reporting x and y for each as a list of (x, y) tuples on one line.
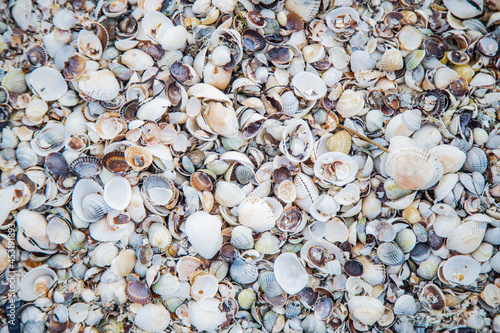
[(250, 166)]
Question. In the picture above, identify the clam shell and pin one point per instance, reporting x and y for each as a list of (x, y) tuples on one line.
[(58, 230), (48, 83), (138, 292), (100, 85), (139, 158), (290, 273), (152, 318), (205, 315), (104, 254), (366, 309), (464, 9), (159, 236), (461, 270), (413, 168), (476, 160), (308, 85), (117, 193), (466, 237), (204, 233), (82, 189), (432, 296), (350, 103), (30, 286), (405, 305), (241, 238), (336, 168), (450, 157), (409, 38), (86, 166), (390, 254), (257, 214), (297, 141), (228, 194), (243, 272), (392, 60), (305, 9)]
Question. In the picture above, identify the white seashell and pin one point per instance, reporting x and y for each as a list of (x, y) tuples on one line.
[(297, 141), (397, 127), (152, 318), (32, 287), (366, 309), (64, 19), (307, 191), (336, 168), (154, 109), (89, 45), (257, 214), (413, 168), (100, 85), (47, 82), (339, 58), (405, 305), (362, 61), (290, 273), (117, 193), (124, 263), (21, 13), (332, 76), (228, 194), (450, 157), (467, 237), (204, 287), (104, 254), (205, 315), (445, 225), (409, 38), (336, 231), (137, 60), (464, 9), (324, 208), (309, 85), (350, 103), (204, 233), (78, 312), (306, 9), (461, 270), (427, 136), (82, 189)]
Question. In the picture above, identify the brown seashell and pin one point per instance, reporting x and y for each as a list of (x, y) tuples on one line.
[(280, 55), (150, 134), (174, 94), (36, 55), (202, 181), (138, 292), (457, 57), (109, 125), (252, 41), (294, 22), (101, 33), (436, 46), (459, 86), (139, 158), (290, 220), (129, 109), (126, 27), (432, 296), (256, 19), (393, 20), (74, 67), (115, 162), (340, 141), (56, 164)]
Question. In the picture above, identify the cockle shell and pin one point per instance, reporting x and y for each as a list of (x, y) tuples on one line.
[(350, 103), (228, 194), (100, 85), (205, 315), (366, 309), (309, 85), (450, 157), (336, 168), (290, 273), (204, 233), (413, 168), (466, 237), (256, 213), (152, 318)]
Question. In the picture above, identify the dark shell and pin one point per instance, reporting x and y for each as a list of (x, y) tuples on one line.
[(375, 98), (202, 181), (252, 41), (229, 306), (393, 20), (180, 72), (433, 297), (323, 308), (126, 27), (174, 94), (138, 292), (145, 254), (280, 55), (434, 102), (435, 241), (323, 64), (257, 19), (101, 33), (308, 297), (114, 104), (391, 101), (458, 57), (436, 46), (353, 267), (459, 86), (319, 256), (334, 322), (86, 166), (420, 252), (228, 251), (281, 174), (290, 219), (36, 55), (294, 22), (56, 164), (115, 162), (129, 109), (74, 67)]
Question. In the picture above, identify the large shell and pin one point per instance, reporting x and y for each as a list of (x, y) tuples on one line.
[(290, 273), (306, 9), (366, 309), (452, 159), (467, 236), (228, 194), (152, 318), (309, 85), (100, 85), (204, 233), (413, 168), (48, 83), (36, 283), (461, 270), (257, 214)]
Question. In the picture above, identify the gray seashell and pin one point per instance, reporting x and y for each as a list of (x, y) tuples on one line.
[(243, 272), (60, 261), (293, 309), (62, 56), (268, 284), (94, 207), (412, 119), (269, 319), (34, 326), (64, 19), (405, 305), (25, 156), (290, 103), (420, 252), (461, 144), (362, 61), (311, 324), (9, 139), (492, 236), (75, 241), (476, 160), (242, 238), (474, 183), (86, 166), (390, 254)]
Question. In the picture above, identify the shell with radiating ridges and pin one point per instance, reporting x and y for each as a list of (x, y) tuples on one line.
[(256, 213), (366, 309), (450, 157), (100, 85), (204, 233), (467, 237), (152, 318), (350, 103)]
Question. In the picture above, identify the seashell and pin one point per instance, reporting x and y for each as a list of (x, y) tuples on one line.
[(204, 233), (336, 168), (100, 85), (228, 194), (409, 38), (152, 318), (115, 162), (445, 225), (308, 85), (205, 315), (159, 236), (47, 83), (392, 60), (466, 237), (340, 141), (137, 60), (78, 312), (242, 238), (257, 214), (252, 41), (138, 292), (413, 168), (366, 309), (432, 297), (361, 61), (374, 274), (323, 208), (117, 193), (405, 305), (64, 19), (139, 158), (75, 240), (461, 270), (464, 9), (36, 283), (58, 230), (109, 125), (436, 46), (21, 13), (204, 287), (450, 157), (307, 10), (86, 166), (243, 272), (104, 254), (397, 127), (221, 119), (284, 265), (476, 161), (350, 103), (406, 240), (25, 156), (297, 141), (390, 254)]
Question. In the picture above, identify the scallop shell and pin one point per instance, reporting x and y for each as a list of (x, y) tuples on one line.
[(86, 166), (362, 61), (390, 254), (350, 103), (305, 9), (467, 237), (139, 158), (476, 160), (100, 85), (82, 189), (243, 272), (366, 309), (204, 233), (152, 318), (138, 292), (405, 305), (392, 60), (413, 168), (257, 214), (290, 273), (228, 194), (409, 38)]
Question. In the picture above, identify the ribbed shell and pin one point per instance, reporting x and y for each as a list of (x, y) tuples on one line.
[(467, 237), (100, 85), (228, 194), (390, 254), (152, 318), (450, 157), (138, 292), (204, 233), (413, 168), (476, 160), (243, 272), (350, 103), (307, 9), (255, 213), (405, 305), (432, 296), (366, 309), (392, 60)]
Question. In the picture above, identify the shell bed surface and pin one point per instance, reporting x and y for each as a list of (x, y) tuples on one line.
[(247, 166)]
